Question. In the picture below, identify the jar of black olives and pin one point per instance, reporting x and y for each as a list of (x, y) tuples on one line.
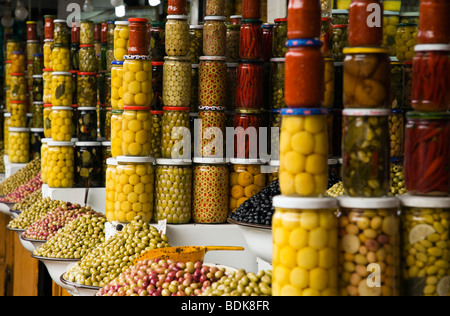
[(89, 165), (87, 124)]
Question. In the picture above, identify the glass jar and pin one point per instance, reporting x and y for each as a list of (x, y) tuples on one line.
[(37, 110), (367, 85), (177, 7), (326, 36), (105, 128), (116, 133), (277, 83), (431, 79), (365, 146), (47, 75), (136, 128), (33, 47), (275, 128), (397, 72), (212, 133), (410, 16), (407, 84), (369, 242), (304, 17), (36, 136), (88, 165), (231, 86), (12, 45), (87, 84), (434, 22), (305, 247), (212, 81), (176, 140), (137, 81), (137, 39), (427, 158), (177, 41), (340, 16), (44, 159), (121, 39), (251, 39), (196, 49), (48, 46), (267, 42), (18, 114), (38, 88), (215, 7), (210, 191), (87, 124), (304, 169), (396, 130), (251, 9), (362, 33), (233, 42), (60, 164), (111, 172), (328, 100), (18, 62), (304, 72), (117, 85), (280, 38), (6, 124), (18, 87), (29, 75), (61, 32), (19, 145), (340, 41), (110, 33), (425, 248), (246, 138), (157, 84), (86, 32), (134, 189), (194, 87), (8, 66), (391, 20), (47, 120), (88, 58), (155, 139), (61, 123), (406, 40), (49, 26), (249, 84), (61, 89), (246, 180), (158, 41), (214, 36), (173, 191), (177, 81)]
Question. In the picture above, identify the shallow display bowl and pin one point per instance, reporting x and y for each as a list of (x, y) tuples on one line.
[(33, 242), (26, 244), (56, 267), (258, 238), (81, 290), (5, 208)]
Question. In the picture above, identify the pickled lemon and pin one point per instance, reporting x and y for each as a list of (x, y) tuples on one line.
[(303, 142), (307, 258)]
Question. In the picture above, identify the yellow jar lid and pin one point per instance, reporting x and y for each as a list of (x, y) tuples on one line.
[(366, 50)]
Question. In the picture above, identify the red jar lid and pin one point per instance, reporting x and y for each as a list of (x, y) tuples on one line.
[(48, 69), (87, 45), (280, 20), (17, 74), (138, 20), (48, 105), (136, 108), (17, 102), (87, 74), (155, 112), (176, 108), (157, 63)]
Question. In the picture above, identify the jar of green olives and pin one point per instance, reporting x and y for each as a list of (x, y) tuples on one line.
[(280, 38), (87, 124), (61, 32), (340, 41), (88, 165), (177, 81), (33, 47), (156, 133), (38, 63), (233, 40), (88, 58), (158, 41), (19, 145), (173, 191), (176, 136), (177, 41), (406, 40), (86, 32), (38, 88), (87, 85), (390, 21), (37, 110), (277, 83), (215, 36), (196, 49)]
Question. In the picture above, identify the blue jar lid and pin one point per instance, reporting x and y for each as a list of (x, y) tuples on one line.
[(117, 62), (304, 42), (305, 111)]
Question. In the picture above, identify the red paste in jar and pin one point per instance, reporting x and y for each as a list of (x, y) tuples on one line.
[(365, 23), (434, 22), (138, 43), (304, 18), (251, 9), (177, 7)]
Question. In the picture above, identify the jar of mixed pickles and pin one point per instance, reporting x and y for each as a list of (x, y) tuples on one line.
[(18, 87), (427, 157), (88, 165), (304, 152), (246, 139), (249, 84), (87, 85), (134, 189), (233, 42), (137, 81), (280, 38), (212, 81), (61, 58), (212, 132), (47, 75), (305, 247), (136, 128), (176, 136), (47, 120), (88, 58), (86, 124), (246, 180), (18, 114), (340, 41), (61, 32), (250, 46), (121, 39), (210, 191), (173, 191), (37, 110), (369, 241), (406, 40), (177, 41), (60, 164), (158, 41), (365, 146), (117, 85), (196, 49), (396, 133), (367, 85), (155, 138), (18, 62), (214, 36), (177, 81), (61, 89), (391, 20), (425, 248), (19, 145), (110, 187)]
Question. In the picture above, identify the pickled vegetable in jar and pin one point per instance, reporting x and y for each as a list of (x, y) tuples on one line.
[(134, 189), (305, 247), (18, 62), (425, 248), (8, 66), (116, 133), (177, 7), (177, 81), (61, 32), (365, 146), (88, 58), (87, 84), (87, 124), (89, 165), (44, 159), (340, 41), (397, 73), (48, 46), (110, 188), (362, 33), (7, 122), (280, 38), (49, 26), (212, 133), (249, 84), (173, 191), (431, 78), (214, 36), (215, 7), (304, 73), (138, 41), (18, 87), (136, 128), (406, 40), (196, 49), (251, 9), (121, 39), (61, 123), (434, 22), (38, 88), (37, 110), (137, 81), (267, 42), (176, 141), (250, 46), (396, 133), (178, 37), (117, 85), (86, 32), (304, 19), (60, 164), (367, 78), (18, 114), (277, 83), (19, 145), (210, 191), (12, 45), (328, 100), (155, 138), (369, 241), (158, 41), (233, 42), (427, 157), (32, 48), (61, 89), (246, 138), (391, 21), (212, 81), (157, 84), (47, 120)]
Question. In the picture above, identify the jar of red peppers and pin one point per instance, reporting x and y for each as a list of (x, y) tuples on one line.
[(249, 86), (212, 81), (363, 29), (177, 7), (434, 22), (304, 19), (215, 36), (427, 153), (431, 78), (138, 34), (246, 139), (267, 43), (251, 44), (251, 9), (304, 73)]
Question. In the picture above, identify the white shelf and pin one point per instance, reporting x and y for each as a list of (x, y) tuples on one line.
[(11, 168)]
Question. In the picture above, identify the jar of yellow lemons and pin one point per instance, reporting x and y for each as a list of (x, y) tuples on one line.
[(60, 164), (304, 152), (18, 114), (47, 76), (111, 171), (116, 133), (7, 123), (61, 58), (44, 159), (121, 37), (19, 145), (137, 81), (135, 181), (136, 129), (48, 46), (305, 247), (47, 120), (18, 87), (61, 89), (117, 85), (62, 123)]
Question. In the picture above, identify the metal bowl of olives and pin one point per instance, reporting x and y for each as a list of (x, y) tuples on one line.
[(31, 244), (82, 290)]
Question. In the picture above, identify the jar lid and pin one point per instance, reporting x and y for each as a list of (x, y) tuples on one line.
[(47, 70), (111, 162), (304, 111), (304, 42), (340, 26), (32, 41), (87, 74), (48, 105), (87, 144), (236, 17), (432, 47), (106, 143), (268, 26), (391, 12), (87, 108), (49, 40), (37, 130), (180, 58), (157, 63), (156, 112), (136, 57), (277, 60), (135, 159), (339, 11), (196, 27), (17, 74), (332, 161), (122, 23), (396, 111), (157, 24), (38, 102), (117, 112), (61, 108), (245, 161), (407, 24), (31, 22), (396, 160), (216, 108), (38, 55), (299, 203), (61, 73), (136, 108), (277, 111), (74, 106), (195, 66), (60, 144), (259, 21), (141, 20), (8, 61), (173, 162), (368, 203), (250, 61), (248, 111), (274, 163), (19, 129), (86, 45), (29, 114), (326, 18), (45, 140), (117, 63), (213, 18), (428, 115), (234, 26), (366, 50), (409, 14), (280, 20), (366, 112), (17, 102), (177, 17), (232, 65), (176, 108), (59, 21), (210, 160), (7, 114), (219, 58), (37, 76), (424, 201)]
